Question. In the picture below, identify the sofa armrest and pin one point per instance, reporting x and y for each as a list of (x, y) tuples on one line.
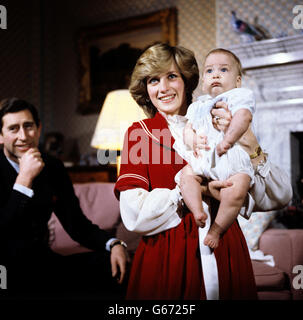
[(285, 245)]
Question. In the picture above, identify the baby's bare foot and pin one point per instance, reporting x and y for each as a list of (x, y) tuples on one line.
[(213, 236)]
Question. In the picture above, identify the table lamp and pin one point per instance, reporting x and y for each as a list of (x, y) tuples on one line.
[(118, 112)]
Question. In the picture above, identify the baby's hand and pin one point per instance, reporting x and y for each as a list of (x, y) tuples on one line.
[(200, 144), (189, 136), (194, 141), (223, 147)]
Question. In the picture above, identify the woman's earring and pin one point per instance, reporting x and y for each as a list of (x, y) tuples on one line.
[(147, 100)]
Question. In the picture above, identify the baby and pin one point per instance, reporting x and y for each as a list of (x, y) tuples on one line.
[(225, 160)]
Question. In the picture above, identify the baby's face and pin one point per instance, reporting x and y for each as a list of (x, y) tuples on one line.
[(220, 74)]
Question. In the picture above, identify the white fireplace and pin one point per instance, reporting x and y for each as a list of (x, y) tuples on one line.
[(274, 70)]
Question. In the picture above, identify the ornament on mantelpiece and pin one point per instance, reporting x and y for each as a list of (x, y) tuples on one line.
[(248, 32), (261, 29)]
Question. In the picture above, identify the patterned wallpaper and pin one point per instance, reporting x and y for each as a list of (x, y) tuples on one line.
[(23, 55), (17, 45), (38, 56), (197, 29), (274, 15)]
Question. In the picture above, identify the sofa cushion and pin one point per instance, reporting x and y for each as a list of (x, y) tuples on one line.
[(268, 278), (99, 204), (255, 226)]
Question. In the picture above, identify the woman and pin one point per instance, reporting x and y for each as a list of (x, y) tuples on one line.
[(169, 259)]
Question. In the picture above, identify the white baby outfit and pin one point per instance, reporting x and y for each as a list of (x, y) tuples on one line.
[(210, 165)]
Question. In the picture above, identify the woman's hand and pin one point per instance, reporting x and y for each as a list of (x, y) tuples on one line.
[(213, 188), (250, 144), (221, 116)]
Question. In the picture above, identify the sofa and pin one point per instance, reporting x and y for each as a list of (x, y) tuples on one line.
[(99, 204)]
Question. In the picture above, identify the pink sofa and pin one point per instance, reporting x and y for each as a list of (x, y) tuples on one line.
[(100, 205), (276, 283), (273, 283)]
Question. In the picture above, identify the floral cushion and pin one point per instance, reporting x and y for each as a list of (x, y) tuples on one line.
[(255, 226)]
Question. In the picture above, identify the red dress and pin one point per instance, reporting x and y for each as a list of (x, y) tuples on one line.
[(167, 265)]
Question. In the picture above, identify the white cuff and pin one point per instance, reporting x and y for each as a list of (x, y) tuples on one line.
[(25, 190), (108, 243), (175, 195), (150, 212)]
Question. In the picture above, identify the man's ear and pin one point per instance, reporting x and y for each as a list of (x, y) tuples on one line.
[(239, 81)]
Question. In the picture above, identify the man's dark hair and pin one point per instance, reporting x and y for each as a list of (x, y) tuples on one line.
[(12, 105)]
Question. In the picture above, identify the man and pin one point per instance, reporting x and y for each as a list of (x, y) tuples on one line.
[(32, 186)]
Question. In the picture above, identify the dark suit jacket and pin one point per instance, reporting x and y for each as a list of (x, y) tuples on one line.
[(23, 220)]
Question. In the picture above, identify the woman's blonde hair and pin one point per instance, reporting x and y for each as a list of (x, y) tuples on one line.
[(156, 60)]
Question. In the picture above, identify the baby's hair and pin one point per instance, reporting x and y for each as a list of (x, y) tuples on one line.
[(221, 50)]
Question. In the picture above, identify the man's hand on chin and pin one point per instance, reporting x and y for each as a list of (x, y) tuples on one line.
[(30, 164)]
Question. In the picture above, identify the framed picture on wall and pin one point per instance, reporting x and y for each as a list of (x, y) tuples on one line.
[(108, 53)]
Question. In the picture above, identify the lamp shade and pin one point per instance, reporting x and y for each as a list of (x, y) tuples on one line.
[(119, 111)]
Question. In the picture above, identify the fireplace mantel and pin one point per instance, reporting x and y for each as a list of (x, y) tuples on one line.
[(270, 53)]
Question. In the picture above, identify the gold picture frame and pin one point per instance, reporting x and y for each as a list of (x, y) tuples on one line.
[(119, 42)]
